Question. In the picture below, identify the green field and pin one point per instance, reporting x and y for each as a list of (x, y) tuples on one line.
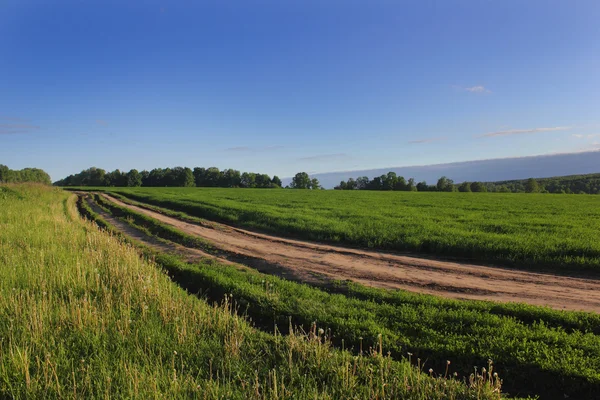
[(537, 350), (82, 315), (533, 231)]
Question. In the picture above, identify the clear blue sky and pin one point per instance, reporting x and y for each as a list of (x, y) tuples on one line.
[(286, 86)]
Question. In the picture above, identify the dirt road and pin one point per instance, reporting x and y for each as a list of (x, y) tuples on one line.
[(312, 262)]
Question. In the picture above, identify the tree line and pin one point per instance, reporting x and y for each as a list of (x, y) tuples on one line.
[(36, 175), (569, 184), (178, 176)]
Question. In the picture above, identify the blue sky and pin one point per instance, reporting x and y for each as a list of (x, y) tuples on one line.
[(286, 86)]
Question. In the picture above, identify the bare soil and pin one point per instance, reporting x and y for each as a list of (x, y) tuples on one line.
[(313, 263)]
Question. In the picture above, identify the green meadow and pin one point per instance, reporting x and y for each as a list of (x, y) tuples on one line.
[(83, 315), (530, 231)]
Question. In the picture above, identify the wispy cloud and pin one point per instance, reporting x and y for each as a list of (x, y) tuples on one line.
[(239, 148), (12, 119), (248, 149), (101, 122), (12, 129), (321, 157), (480, 89), (428, 140), (589, 136), (526, 131)]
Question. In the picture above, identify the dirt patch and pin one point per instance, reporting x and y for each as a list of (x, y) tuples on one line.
[(306, 261)]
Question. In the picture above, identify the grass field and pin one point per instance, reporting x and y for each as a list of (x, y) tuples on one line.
[(82, 315), (535, 231), (538, 350)]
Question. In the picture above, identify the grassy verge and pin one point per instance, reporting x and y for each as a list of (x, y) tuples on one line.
[(83, 316), (538, 350)]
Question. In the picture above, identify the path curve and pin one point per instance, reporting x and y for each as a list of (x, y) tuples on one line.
[(305, 261)]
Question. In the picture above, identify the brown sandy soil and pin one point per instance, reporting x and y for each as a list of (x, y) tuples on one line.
[(307, 261)]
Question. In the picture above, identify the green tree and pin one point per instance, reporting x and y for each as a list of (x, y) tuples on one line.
[(362, 183), (478, 187), (301, 181), (532, 186), (445, 185), (411, 185), (276, 181), (314, 184), (465, 187), (134, 178)]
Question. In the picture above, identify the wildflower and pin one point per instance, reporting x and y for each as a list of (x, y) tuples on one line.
[(321, 331), (495, 374), (430, 370), (409, 353), (447, 362), (175, 352)]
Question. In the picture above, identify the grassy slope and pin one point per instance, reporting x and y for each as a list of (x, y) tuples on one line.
[(525, 230), (83, 316), (538, 350)]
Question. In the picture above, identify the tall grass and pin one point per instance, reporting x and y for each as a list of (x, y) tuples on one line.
[(83, 316), (534, 231)]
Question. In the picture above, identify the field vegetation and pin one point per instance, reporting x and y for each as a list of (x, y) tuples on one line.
[(82, 315), (538, 350), (36, 175), (529, 231)]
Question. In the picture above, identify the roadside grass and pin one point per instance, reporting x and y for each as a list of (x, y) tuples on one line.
[(538, 350), (527, 231), (82, 315)]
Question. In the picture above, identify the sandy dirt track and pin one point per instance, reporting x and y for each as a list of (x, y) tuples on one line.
[(310, 262)]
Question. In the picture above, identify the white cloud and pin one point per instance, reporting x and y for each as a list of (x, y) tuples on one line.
[(473, 89), (428, 140), (590, 136), (525, 131)]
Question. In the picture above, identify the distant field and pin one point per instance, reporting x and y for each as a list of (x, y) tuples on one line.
[(523, 230)]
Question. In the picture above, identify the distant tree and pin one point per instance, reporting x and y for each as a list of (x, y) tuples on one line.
[(248, 180), (263, 181), (478, 187), (401, 184), (445, 185), (422, 186), (188, 178), (114, 178), (389, 181), (465, 187), (213, 177), (314, 184), (502, 189), (4, 173), (532, 186), (362, 183), (145, 175), (342, 186), (200, 176), (230, 178), (276, 181), (411, 185), (351, 184), (134, 178), (301, 181)]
